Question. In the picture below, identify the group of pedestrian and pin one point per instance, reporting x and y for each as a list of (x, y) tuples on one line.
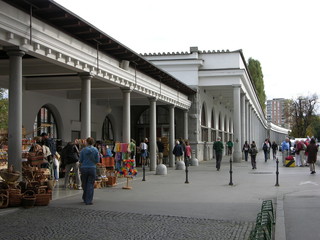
[(182, 151)]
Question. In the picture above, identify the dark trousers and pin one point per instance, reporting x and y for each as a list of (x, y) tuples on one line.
[(265, 155), (88, 177), (274, 153), (253, 161), (246, 155), (218, 160)]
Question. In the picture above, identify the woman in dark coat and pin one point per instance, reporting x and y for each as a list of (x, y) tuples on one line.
[(312, 150)]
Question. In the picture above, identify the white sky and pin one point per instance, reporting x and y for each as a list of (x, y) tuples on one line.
[(282, 34)]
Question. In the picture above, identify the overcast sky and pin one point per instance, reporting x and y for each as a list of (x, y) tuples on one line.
[(282, 34)]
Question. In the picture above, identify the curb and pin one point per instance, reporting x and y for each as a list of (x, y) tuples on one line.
[(280, 228)]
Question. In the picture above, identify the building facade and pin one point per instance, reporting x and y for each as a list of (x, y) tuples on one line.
[(276, 112)]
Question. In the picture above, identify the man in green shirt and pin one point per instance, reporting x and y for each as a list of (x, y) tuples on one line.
[(218, 148), (229, 145)]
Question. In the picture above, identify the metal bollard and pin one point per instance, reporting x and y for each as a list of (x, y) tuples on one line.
[(144, 172), (230, 183), (277, 174), (187, 171)]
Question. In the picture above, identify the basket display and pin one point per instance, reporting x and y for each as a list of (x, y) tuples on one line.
[(28, 199), (4, 198), (9, 176), (107, 161), (42, 198), (15, 200)]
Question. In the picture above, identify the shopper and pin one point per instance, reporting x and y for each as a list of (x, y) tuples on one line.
[(253, 154), (188, 153), (70, 160), (274, 147), (312, 150), (143, 152), (160, 148), (89, 157), (178, 151), (266, 148), (285, 148), (229, 146), (218, 148), (245, 149), (298, 146), (53, 163)]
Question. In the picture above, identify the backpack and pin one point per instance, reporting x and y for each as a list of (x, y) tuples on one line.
[(265, 147)]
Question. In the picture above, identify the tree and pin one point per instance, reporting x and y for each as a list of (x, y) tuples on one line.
[(4, 108), (255, 71), (303, 116)]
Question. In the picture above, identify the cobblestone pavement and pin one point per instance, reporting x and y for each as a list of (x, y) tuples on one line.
[(71, 223)]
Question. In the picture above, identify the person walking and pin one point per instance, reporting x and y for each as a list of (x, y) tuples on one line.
[(245, 149), (229, 146), (160, 148), (312, 150), (143, 152), (89, 157), (265, 148), (53, 163), (178, 151), (274, 147), (253, 153), (298, 148), (285, 148), (218, 148), (70, 160), (188, 153)]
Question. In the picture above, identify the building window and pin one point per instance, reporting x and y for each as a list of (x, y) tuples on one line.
[(45, 122)]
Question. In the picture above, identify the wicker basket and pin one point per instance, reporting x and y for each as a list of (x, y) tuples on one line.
[(9, 176), (4, 198), (28, 199), (15, 200)]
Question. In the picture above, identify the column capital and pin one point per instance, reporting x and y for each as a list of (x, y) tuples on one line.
[(236, 85), (86, 75), (152, 99), (126, 90), (15, 51)]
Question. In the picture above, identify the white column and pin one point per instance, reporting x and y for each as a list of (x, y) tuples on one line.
[(243, 119), (153, 134), (15, 108), (171, 135), (227, 128), (85, 104), (126, 116), (185, 126), (236, 123), (247, 121)]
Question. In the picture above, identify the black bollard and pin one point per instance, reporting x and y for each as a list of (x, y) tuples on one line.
[(144, 172), (187, 171), (277, 174), (230, 183)]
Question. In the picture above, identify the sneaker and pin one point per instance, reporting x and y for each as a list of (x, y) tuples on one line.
[(79, 188)]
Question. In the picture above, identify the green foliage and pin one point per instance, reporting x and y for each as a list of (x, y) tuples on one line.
[(4, 108), (303, 116), (255, 70)]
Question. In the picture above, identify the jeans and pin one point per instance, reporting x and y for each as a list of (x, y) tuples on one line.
[(218, 160), (246, 155), (253, 162), (88, 177), (265, 155)]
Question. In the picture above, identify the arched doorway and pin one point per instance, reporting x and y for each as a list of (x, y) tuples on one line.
[(45, 122), (143, 124)]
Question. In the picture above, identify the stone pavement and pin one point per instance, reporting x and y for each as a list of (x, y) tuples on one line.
[(164, 207)]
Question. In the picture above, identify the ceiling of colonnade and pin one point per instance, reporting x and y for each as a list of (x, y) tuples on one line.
[(221, 95), (51, 79)]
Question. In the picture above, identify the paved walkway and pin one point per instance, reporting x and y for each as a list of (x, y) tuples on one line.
[(164, 207)]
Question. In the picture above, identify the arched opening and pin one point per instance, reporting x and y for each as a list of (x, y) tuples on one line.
[(213, 130), (204, 127), (107, 130), (45, 122), (162, 122)]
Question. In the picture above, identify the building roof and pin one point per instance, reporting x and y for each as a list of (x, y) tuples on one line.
[(61, 18)]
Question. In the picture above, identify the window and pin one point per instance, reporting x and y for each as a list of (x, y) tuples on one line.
[(45, 122)]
